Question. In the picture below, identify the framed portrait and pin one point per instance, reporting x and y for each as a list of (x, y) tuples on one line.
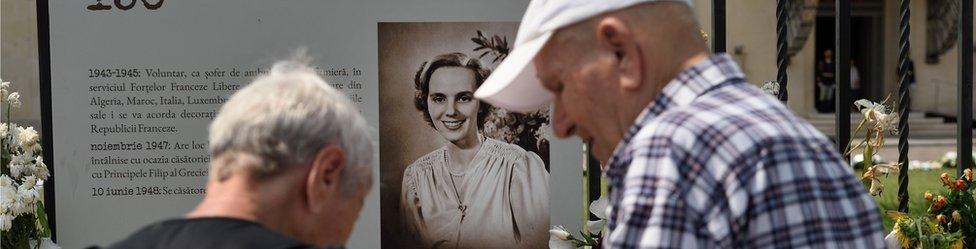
[(456, 172)]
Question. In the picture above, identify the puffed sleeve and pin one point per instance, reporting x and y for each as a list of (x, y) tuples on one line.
[(412, 218), (530, 200)]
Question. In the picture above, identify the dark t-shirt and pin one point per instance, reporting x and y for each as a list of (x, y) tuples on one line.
[(208, 233)]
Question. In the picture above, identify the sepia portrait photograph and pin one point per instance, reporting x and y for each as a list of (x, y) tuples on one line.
[(456, 172)]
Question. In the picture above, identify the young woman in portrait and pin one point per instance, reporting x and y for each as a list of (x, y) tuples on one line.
[(475, 191)]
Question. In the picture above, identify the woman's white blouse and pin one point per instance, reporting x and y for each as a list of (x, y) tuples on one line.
[(505, 194)]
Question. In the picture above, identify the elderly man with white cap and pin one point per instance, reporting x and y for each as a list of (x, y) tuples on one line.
[(696, 157)]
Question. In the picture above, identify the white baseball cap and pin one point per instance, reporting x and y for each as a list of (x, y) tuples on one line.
[(513, 85)]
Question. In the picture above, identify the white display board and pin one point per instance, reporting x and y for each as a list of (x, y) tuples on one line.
[(134, 85)]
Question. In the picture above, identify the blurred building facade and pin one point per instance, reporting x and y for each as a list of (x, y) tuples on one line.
[(751, 40)]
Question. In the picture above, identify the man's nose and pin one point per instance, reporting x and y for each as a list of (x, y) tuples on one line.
[(562, 126)]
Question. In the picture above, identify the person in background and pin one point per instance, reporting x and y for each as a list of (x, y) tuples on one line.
[(826, 83), (694, 155), (290, 168)]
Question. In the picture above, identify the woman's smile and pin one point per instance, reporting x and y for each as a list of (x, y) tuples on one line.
[(453, 125)]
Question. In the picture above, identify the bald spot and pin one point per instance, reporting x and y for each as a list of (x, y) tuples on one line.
[(667, 23)]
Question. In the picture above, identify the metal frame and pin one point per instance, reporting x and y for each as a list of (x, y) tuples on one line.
[(965, 115), (47, 140), (718, 26), (842, 43), (904, 101), (782, 60)]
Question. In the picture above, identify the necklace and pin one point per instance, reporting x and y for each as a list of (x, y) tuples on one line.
[(457, 194)]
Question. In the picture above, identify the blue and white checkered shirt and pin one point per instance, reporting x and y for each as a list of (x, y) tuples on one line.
[(714, 162)]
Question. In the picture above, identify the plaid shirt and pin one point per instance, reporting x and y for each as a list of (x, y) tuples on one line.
[(714, 162)]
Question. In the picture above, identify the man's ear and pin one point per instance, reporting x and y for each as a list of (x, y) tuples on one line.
[(323, 178), (616, 35)]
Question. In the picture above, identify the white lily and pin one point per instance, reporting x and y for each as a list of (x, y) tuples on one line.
[(560, 233), (598, 208), (4, 87), (14, 99), (555, 243)]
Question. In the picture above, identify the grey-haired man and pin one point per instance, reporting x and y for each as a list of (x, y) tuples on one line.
[(290, 169), (695, 156)]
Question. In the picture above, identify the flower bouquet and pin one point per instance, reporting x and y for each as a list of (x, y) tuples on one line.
[(559, 238), (950, 221), (23, 222)]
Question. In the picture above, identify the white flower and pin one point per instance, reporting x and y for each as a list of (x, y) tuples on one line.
[(14, 99), (878, 115), (950, 156), (19, 206), (27, 138), (40, 169), (16, 169), (888, 122), (3, 130), (4, 87), (24, 158), (858, 158), (771, 88), (29, 194), (863, 104), (915, 165), (21, 164), (6, 220), (595, 226), (560, 233), (8, 193), (28, 189), (556, 243), (598, 208), (29, 182)]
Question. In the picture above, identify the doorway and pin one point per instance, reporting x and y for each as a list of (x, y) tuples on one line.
[(867, 46)]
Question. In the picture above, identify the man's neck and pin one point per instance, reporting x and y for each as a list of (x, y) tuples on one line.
[(223, 199), (241, 198), (691, 61)]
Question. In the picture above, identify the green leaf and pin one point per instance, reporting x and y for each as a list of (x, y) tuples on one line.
[(45, 227)]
